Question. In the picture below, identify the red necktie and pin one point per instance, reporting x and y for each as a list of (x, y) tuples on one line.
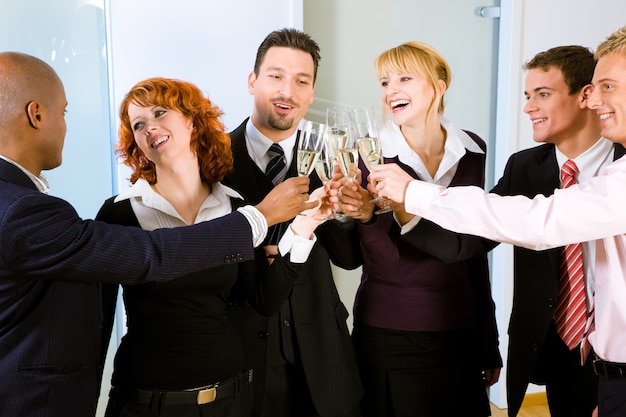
[(571, 308)]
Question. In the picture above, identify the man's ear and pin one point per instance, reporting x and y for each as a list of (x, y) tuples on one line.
[(251, 82), (585, 93), (33, 114)]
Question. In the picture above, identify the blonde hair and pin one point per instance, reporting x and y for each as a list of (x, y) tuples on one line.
[(420, 59), (615, 42)]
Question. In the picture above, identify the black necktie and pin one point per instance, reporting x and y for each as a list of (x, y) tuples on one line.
[(276, 167)]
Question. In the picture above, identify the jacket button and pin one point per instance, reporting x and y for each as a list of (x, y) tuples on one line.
[(551, 302), (263, 334), (286, 323), (240, 257), (535, 347)]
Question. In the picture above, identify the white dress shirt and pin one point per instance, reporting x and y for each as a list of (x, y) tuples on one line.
[(258, 144), (591, 210), (456, 145), (154, 212)]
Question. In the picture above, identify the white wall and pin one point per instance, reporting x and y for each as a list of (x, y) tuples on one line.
[(209, 43)]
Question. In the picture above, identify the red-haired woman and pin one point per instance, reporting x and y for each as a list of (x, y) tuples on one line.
[(181, 356)]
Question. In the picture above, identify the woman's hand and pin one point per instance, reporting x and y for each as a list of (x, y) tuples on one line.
[(306, 224), (355, 202)]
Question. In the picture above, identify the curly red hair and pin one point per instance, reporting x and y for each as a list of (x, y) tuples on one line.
[(209, 141)]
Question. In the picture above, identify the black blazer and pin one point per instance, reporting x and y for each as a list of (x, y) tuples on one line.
[(318, 317), (536, 273), (50, 264), (266, 293)]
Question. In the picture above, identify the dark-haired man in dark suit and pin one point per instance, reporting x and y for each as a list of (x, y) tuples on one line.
[(303, 360)]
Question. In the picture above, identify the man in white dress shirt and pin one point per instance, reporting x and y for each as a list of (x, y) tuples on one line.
[(592, 210)]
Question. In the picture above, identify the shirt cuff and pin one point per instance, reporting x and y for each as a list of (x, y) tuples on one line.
[(299, 247), (258, 223), (408, 226), (419, 196)]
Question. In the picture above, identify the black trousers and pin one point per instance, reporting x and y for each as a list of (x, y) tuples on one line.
[(612, 397), (238, 405), (571, 389), (419, 374)]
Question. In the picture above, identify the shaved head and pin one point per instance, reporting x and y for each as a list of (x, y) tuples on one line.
[(32, 112), (23, 78)]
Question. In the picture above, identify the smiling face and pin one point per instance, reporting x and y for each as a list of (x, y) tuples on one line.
[(554, 113), (608, 97), (406, 97), (283, 91), (163, 135)]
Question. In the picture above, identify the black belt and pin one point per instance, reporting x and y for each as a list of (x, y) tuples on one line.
[(198, 396), (609, 369)]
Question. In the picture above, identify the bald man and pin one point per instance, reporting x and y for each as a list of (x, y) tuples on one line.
[(51, 260)]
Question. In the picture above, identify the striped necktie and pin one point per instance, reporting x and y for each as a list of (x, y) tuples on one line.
[(276, 167), (571, 308)]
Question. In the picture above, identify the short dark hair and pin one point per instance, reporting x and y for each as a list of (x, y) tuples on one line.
[(288, 38), (575, 62)]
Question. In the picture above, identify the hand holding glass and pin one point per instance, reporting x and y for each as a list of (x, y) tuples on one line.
[(369, 147)]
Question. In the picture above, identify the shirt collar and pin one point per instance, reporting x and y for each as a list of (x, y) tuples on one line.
[(143, 193), (258, 145), (457, 144), (40, 182), (591, 161)]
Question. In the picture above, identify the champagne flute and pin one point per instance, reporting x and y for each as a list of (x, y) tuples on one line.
[(324, 167), (369, 147), (310, 146), (342, 139), (339, 122)]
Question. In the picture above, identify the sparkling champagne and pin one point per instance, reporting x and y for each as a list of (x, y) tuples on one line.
[(348, 162), (324, 169), (306, 161), (369, 149)]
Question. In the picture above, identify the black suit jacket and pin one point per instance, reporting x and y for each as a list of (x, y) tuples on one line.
[(50, 313), (536, 273), (314, 312)]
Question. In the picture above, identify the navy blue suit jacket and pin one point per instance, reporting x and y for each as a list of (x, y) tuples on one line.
[(50, 309)]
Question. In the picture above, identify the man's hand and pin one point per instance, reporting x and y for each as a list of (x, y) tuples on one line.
[(390, 181), (491, 376), (286, 200)]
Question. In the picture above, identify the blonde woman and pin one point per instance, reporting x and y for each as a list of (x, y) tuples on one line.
[(424, 329)]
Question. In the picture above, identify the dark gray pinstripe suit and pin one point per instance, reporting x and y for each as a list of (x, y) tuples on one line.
[(316, 315), (50, 313)]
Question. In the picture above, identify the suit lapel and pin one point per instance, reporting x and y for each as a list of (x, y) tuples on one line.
[(619, 151), (544, 175), (246, 177)]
